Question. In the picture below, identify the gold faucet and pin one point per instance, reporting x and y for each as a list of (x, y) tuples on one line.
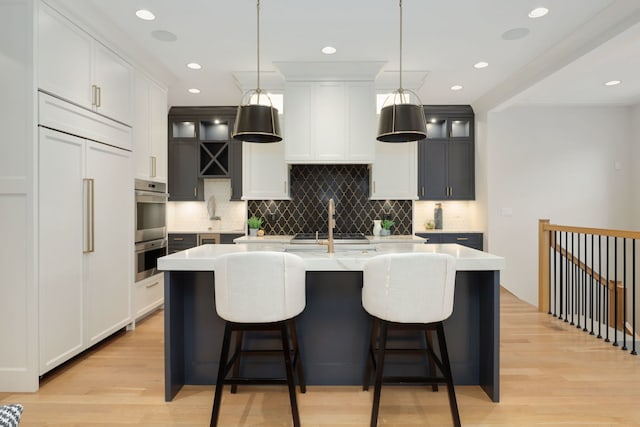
[(331, 222)]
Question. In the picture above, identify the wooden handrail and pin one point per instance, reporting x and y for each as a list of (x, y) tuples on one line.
[(546, 240)]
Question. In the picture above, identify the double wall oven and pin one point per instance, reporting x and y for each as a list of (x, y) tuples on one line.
[(151, 226)]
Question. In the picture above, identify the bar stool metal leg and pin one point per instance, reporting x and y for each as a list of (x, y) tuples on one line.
[(432, 364), (296, 356), (289, 368), (379, 368), (371, 355), (222, 371), (444, 356), (236, 366)]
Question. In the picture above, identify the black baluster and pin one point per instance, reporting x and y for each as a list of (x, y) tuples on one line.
[(573, 279), (633, 296), (578, 286), (551, 254), (624, 293), (555, 274), (600, 286), (607, 296), (593, 267), (615, 292)]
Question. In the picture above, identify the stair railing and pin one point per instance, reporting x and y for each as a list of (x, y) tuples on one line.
[(587, 278)]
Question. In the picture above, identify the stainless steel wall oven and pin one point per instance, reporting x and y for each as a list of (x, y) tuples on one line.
[(151, 226)]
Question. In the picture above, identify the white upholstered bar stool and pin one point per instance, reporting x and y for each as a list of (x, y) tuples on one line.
[(410, 291), (258, 291)]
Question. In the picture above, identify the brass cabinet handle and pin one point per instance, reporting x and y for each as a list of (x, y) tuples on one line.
[(98, 97), (195, 191), (94, 95), (462, 238), (90, 236), (153, 166), (178, 239), (152, 285)]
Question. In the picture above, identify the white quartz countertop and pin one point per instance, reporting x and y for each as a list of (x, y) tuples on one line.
[(345, 258), (200, 230), (372, 239)]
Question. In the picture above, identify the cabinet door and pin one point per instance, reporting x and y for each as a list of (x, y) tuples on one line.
[(235, 149), (461, 170), (60, 247), (141, 130), (109, 268), (433, 169), (361, 123), (64, 58), (184, 184), (113, 76), (394, 173), (159, 137), (328, 126), (298, 124), (264, 172)]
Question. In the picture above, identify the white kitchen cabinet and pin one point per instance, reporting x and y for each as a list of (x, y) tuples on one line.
[(265, 175), (148, 295), (85, 244), (150, 129), (330, 122), (74, 66), (394, 174)]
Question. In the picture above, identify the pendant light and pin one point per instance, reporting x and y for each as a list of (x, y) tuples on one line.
[(257, 118), (402, 115)]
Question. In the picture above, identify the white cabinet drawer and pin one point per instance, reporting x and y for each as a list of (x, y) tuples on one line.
[(148, 294)]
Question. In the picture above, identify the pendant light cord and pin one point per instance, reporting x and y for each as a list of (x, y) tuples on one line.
[(258, 50), (400, 90)]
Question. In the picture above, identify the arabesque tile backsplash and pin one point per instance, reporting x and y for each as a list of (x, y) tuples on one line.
[(311, 188)]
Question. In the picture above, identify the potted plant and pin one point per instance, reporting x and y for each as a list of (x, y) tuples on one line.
[(254, 223), (386, 227)]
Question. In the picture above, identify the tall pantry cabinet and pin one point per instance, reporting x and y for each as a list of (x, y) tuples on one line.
[(85, 186), (84, 245)]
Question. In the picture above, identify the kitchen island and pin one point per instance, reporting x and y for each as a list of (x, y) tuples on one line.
[(333, 330)]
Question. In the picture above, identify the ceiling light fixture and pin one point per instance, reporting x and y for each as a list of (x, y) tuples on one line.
[(538, 12), (456, 87), (612, 83), (145, 15), (194, 90), (481, 64), (255, 120), (329, 50), (194, 66), (402, 115)]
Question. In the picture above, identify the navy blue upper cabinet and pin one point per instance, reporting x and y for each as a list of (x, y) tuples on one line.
[(446, 165)]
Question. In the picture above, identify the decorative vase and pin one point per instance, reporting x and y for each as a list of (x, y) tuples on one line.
[(437, 216), (377, 227), (385, 232), (253, 232)]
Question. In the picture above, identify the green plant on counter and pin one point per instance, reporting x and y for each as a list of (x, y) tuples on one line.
[(254, 222), (387, 224)]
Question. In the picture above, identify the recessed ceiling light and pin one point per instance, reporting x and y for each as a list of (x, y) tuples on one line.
[(538, 12), (145, 14), (194, 66), (612, 82), (329, 50), (456, 87), (481, 64), (194, 90)]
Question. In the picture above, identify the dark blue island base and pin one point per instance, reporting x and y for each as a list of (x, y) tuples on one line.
[(333, 331)]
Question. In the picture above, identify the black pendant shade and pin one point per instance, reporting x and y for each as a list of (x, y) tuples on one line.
[(257, 123), (402, 123)]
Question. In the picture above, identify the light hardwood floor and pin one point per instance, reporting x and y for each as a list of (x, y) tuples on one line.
[(552, 375)]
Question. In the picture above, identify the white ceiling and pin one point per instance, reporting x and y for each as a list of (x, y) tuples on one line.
[(566, 57)]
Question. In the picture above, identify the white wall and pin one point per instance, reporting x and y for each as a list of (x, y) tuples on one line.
[(18, 295), (635, 156), (572, 165)]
